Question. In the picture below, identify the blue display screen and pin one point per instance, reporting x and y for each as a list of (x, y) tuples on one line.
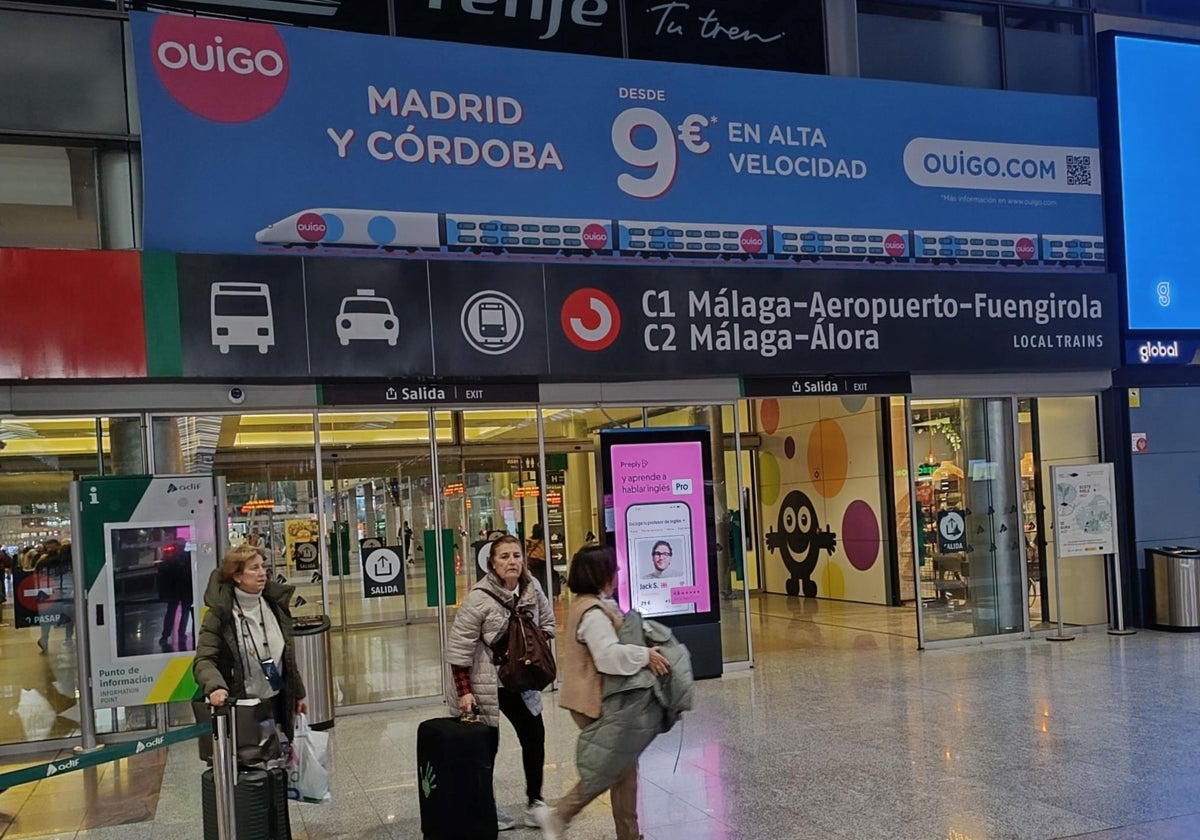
[(1158, 113)]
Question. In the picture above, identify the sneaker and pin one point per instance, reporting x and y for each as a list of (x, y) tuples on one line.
[(547, 819), (504, 822), (535, 813)]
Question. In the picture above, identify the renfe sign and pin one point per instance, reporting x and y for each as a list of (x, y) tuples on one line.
[(263, 139), (549, 12)]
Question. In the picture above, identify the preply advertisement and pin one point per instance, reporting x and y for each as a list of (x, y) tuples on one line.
[(658, 543), (660, 522), (1013, 167)]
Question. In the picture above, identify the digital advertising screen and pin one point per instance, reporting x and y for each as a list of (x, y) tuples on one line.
[(153, 584), (1151, 108), (659, 521)]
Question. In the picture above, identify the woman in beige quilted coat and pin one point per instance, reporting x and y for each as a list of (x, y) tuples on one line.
[(476, 686)]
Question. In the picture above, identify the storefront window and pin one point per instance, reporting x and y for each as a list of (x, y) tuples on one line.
[(48, 197), (78, 86), (1047, 52), (955, 45)]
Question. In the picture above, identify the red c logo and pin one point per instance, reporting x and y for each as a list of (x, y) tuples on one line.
[(590, 319), (221, 70)]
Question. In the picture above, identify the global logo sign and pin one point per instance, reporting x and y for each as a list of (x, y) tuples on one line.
[(221, 70), (894, 245), (590, 319), (1158, 352), (1025, 248), (595, 237), (751, 241)]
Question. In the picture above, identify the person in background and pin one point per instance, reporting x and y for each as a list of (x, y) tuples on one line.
[(6, 564), (406, 535), (589, 650), (245, 647), (56, 579), (477, 689), (174, 581), (535, 554)]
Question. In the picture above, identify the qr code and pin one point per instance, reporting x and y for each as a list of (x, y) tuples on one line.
[(1079, 170)]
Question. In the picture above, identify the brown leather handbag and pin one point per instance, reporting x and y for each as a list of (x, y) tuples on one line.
[(521, 653)]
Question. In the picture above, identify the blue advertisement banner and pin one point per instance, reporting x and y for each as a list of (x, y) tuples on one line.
[(261, 139), (1155, 118)]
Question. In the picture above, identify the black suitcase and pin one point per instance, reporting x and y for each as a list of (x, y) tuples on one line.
[(454, 780), (261, 805)]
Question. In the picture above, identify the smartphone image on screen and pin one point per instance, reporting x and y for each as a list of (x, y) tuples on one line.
[(658, 545)]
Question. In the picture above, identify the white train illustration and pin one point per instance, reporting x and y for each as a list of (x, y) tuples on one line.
[(410, 231)]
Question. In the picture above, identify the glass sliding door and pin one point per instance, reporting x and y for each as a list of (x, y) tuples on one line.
[(722, 422), (496, 487), (378, 500), (968, 516), (39, 458)]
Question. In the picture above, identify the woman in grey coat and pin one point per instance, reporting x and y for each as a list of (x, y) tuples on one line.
[(477, 689)]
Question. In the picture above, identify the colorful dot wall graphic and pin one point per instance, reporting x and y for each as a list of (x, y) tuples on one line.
[(860, 535), (854, 404), (828, 459), (768, 478), (833, 581), (789, 447), (768, 416)]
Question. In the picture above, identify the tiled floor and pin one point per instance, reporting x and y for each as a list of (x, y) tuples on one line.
[(842, 730)]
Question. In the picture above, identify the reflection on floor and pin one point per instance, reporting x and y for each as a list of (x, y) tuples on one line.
[(403, 661), (37, 689), (842, 730)]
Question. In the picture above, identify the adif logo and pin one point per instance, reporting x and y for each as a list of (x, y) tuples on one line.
[(59, 766), (1158, 350), (176, 488), (153, 743), (226, 71)]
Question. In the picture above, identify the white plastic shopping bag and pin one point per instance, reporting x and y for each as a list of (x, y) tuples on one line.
[(308, 766)]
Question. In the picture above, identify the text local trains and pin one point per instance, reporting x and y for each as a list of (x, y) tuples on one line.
[(464, 233)]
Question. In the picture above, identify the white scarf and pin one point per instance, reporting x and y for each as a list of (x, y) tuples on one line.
[(259, 637)]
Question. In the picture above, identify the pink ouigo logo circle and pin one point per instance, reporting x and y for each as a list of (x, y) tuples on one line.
[(752, 241), (223, 70), (894, 245), (595, 237), (1025, 248), (311, 227)]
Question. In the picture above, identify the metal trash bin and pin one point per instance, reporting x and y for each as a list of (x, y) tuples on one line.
[(311, 639), (1176, 571)]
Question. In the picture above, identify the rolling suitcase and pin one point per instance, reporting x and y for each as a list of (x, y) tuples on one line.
[(454, 780), (261, 805)]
